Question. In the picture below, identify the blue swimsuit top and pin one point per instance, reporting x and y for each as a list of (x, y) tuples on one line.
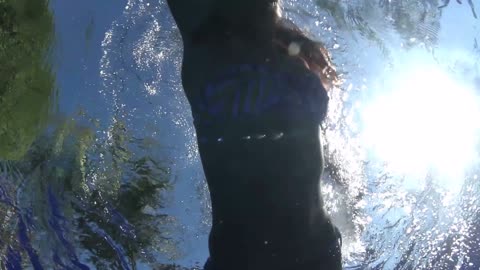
[(257, 99)]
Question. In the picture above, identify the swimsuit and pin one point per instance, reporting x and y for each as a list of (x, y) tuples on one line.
[(256, 103)]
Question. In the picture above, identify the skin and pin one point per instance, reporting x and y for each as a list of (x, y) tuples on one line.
[(266, 206)]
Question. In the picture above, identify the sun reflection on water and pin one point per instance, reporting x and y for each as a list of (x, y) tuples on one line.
[(426, 125)]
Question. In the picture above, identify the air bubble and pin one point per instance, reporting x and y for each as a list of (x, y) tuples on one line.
[(259, 137), (293, 49), (278, 136)]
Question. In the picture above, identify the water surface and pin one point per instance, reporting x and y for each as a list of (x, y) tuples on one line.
[(99, 166)]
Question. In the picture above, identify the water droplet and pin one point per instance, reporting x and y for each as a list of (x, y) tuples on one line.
[(293, 49), (278, 136)]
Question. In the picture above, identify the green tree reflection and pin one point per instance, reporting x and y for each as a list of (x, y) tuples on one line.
[(26, 82), (416, 21), (108, 197)]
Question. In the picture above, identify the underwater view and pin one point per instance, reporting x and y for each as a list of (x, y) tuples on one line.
[(99, 165)]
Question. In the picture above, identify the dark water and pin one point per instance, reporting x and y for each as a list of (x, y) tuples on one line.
[(98, 161)]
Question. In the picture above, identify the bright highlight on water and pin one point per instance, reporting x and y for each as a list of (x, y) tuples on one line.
[(425, 126)]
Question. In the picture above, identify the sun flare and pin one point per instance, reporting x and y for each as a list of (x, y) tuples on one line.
[(428, 122)]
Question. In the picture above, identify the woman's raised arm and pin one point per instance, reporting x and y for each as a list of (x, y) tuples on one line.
[(189, 14)]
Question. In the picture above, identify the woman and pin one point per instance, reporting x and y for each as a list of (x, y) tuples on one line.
[(256, 86)]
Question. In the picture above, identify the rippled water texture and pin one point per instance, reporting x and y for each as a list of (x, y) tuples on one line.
[(98, 162)]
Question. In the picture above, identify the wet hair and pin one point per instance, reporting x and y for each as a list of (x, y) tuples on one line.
[(313, 53)]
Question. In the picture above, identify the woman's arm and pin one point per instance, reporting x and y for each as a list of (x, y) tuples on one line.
[(189, 14)]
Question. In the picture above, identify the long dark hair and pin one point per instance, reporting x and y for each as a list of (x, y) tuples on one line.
[(313, 53)]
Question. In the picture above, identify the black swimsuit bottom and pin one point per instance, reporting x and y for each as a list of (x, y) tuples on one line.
[(255, 102)]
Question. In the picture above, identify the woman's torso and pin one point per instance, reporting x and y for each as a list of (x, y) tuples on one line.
[(257, 114)]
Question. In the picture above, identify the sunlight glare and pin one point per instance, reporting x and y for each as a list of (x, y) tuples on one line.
[(427, 124)]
